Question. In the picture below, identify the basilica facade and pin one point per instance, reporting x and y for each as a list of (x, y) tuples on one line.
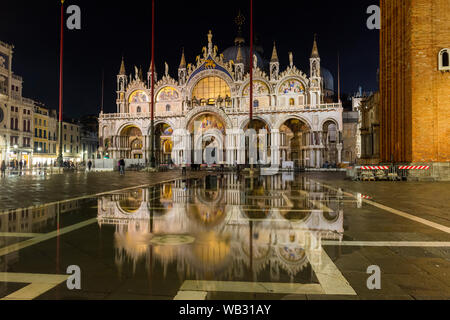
[(207, 109)]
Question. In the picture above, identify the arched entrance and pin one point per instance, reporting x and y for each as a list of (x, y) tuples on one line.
[(208, 136), (295, 136), (257, 133), (131, 143), (331, 139), (163, 143)]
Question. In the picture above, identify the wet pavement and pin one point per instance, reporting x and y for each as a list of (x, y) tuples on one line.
[(284, 237)]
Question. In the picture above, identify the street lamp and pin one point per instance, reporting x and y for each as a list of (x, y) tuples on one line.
[(16, 146)]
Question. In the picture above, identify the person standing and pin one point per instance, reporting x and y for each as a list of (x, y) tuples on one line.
[(20, 165), (122, 166), (3, 168), (90, 165), (184, 170)]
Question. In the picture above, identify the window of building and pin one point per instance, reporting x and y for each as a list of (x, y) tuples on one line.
[(12, 109), (168, 107), (444, 60), (40, 133), (211, 88), (292, 102), (138, 110), (256, 104)]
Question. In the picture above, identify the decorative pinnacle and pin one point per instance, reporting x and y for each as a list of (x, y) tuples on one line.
[(122, 67), (183, 61), (274, 53), (315, 51)]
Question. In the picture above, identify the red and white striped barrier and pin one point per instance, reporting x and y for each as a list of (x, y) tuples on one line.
[(414, 167), (365, 197), (375, 168)]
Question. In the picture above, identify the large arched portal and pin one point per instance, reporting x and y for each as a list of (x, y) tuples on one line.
[(208, 134), (131, 143), (257, 134), (295, 138), (331, 137)]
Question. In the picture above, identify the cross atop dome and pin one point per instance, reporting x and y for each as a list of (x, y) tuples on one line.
[(240, 20)]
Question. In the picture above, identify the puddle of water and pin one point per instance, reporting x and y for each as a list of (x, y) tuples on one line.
[(222, 228)]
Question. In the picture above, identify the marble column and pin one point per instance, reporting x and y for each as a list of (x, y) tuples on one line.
[(275, 148)]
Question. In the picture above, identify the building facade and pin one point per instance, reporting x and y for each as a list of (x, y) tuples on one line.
[(370, 129), (45, 136), (207, 109), (89, 137), (415, 84), (16, 113), (71, 141)]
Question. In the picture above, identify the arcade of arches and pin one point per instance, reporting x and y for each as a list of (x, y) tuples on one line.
[(211, 142)]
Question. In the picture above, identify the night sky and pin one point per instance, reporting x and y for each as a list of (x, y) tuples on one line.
[(115, 28)]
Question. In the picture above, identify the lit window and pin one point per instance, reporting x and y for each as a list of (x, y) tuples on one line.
[(211, 88), (292, 102)]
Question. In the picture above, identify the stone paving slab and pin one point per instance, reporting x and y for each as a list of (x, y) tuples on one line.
[(427, 200), (29, 190)]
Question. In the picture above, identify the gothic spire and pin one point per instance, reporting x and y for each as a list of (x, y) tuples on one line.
[(122, 71), (315, 50), (274, 53), (239, 57), (183, 61)]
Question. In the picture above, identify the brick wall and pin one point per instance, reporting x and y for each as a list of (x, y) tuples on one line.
[(415, 96)]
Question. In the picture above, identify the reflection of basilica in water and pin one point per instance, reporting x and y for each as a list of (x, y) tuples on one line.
[(222, 227), (303, 124)]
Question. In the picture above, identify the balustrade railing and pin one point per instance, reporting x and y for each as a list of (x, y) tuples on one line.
[(228, 110)]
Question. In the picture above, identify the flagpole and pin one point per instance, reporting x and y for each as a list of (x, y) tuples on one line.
[(152, 133), (61, 56), (103, 90), (339, 78), (251, 60)]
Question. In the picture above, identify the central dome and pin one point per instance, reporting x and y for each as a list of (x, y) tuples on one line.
[(232, 52)]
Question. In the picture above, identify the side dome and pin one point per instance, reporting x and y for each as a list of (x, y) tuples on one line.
[(328, 79)]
